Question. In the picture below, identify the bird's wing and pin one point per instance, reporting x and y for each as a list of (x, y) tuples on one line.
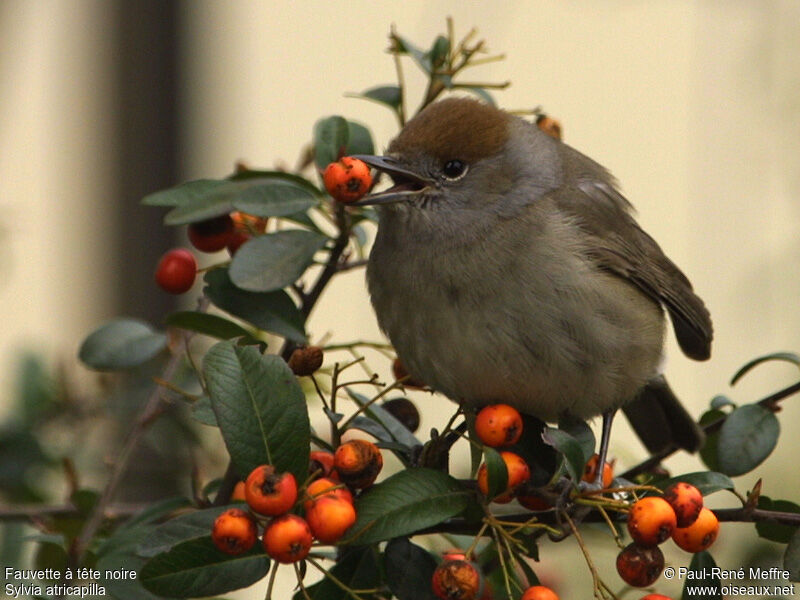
[(618, 244)]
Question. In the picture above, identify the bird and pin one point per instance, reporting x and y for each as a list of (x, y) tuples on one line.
[(508, 267)]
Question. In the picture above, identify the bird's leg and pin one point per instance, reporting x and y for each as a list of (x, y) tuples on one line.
[(605, 438)]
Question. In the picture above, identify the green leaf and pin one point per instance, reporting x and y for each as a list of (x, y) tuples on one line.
[(203, 412), (707, 482), (776, 532), (409, 569), (189, 526), (701, 568), (439, 51), (582, 433), (152, 513), (184, 193), (422, 59), (260, 408), (358, 568), (275, 198), (121, 344), (271, 262), (406, 502), (196, 568), (208, 324), (746, 439), (122, 558), (709, 453), (271, 311), (330, 140), (243, 174), (497, 472), (720, 401), (790, 357), (791, 558), (359, 139), (388, 95), (570, 448), (263, 197), (385, 420)]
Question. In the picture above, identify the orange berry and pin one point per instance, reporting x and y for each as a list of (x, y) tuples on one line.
[(539, 592), (305, 360), (238, 492), (498, 425), (234, 531), (347, 180), (699, 535), (326, 487), (639, 566), (590, 471), (211, 235), (176, 271), (268, 492), (651, 521), (329, 517), (686, 500), (244, 227), (358, 463), (518, 471), (457, 580), (287, 539), (321, 463)]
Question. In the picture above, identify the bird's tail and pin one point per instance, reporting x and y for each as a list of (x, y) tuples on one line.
[(661, 421)]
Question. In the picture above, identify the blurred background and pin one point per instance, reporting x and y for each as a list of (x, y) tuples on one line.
[(694, 106)]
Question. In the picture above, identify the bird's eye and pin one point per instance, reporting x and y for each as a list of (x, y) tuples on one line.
[(454, 169)]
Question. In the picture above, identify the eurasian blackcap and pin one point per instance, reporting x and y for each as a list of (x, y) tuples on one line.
[(507, 268)]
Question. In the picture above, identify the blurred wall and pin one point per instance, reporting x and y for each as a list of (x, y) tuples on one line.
[(693, 105)]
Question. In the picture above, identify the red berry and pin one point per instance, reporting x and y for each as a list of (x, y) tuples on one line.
[(358, 463), (686, 500), (651, 521), (176, 271), (211, 235), (347, 180), (590, 471), (329, 517), (639, 566), (539, 592), (699, 535), (457, 580), (326, 487), (234, 531), (321, 463), (498, 425), (518, 471), (268, 492), (287, 539)]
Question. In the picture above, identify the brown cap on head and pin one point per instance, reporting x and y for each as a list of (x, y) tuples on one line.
[(461, 128)]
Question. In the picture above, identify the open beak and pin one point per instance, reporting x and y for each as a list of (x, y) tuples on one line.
[(407, 184)]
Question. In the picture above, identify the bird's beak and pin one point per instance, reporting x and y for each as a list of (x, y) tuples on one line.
[(407, 184)]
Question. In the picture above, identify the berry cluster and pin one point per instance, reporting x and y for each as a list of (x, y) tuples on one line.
[(177, 268), (678, 514), (293, 518)]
